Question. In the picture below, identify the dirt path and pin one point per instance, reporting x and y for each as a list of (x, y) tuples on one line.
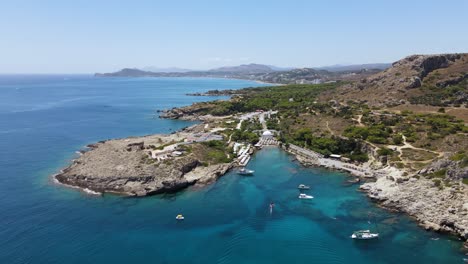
[(239, 124), (407, 145), (331, 131), (359, 118)]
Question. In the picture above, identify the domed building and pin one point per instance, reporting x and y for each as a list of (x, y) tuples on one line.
[(267, 135)]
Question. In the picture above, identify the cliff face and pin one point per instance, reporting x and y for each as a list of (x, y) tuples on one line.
[(436, 206), (124, 166), (407, 78), (438, 210)]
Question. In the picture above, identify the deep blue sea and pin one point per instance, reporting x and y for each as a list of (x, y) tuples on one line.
[(44, 119)]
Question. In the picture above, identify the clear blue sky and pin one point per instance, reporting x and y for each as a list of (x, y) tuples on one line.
[(83, 36)]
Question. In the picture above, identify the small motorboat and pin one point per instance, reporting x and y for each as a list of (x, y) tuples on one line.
[(355, 180), (305, 196), (364, 234), (180, 217), (245, 171), (303, 187)]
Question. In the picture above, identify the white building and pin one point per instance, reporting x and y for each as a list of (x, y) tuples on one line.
[(267, 135)]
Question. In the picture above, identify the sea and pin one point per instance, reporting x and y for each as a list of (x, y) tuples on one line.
[(45, 119)]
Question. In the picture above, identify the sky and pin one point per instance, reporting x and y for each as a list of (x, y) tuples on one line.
[(84, 36)]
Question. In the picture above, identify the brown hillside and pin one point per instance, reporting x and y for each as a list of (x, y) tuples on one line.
[(439, 80)]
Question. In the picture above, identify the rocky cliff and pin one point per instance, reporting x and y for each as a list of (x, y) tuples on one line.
[(408, 79), (196, 111), (439, 202)]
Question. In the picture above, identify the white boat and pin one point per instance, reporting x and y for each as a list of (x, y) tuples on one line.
[(303, 187), (305, 196), (364, 234), (180, 217), (245, 171)]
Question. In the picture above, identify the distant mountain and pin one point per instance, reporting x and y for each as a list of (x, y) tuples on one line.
[(126, 72), (258, 72), (245, 68), (276, 68), (168, 69), (356, 67)]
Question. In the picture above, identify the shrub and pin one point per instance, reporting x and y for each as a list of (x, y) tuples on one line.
[(438, 174), (384, 152), (377, 140), (360, 157), (397, 139)]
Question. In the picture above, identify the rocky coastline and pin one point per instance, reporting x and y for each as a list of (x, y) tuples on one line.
[(434, 207), (194, 112), (124, 167), (437, 209)]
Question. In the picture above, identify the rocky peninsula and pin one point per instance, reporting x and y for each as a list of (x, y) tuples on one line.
[(141, 166)]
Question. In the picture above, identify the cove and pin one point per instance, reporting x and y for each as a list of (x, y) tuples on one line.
[(43, 122)]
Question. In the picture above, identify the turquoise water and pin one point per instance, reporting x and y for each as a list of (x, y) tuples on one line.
[(44, 119)]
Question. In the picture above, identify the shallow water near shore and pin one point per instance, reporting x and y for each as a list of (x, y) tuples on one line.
[(44, 121)]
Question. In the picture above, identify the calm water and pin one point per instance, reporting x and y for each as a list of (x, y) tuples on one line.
[(45, 119)]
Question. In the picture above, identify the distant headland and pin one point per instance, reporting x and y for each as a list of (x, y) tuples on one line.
[(264, 73)]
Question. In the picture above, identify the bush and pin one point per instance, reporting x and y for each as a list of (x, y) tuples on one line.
[(384, 152), (397, 139), (377, 140), (458, 156), (360, 157), (438, 174)]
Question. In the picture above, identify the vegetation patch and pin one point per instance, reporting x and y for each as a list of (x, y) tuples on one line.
[(417, 154), (462, 157), (212, 152), (442, 96), (350, 148), (465, 181), (438, 174)]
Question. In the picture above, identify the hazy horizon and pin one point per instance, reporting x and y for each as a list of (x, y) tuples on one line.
[(54, 37)]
